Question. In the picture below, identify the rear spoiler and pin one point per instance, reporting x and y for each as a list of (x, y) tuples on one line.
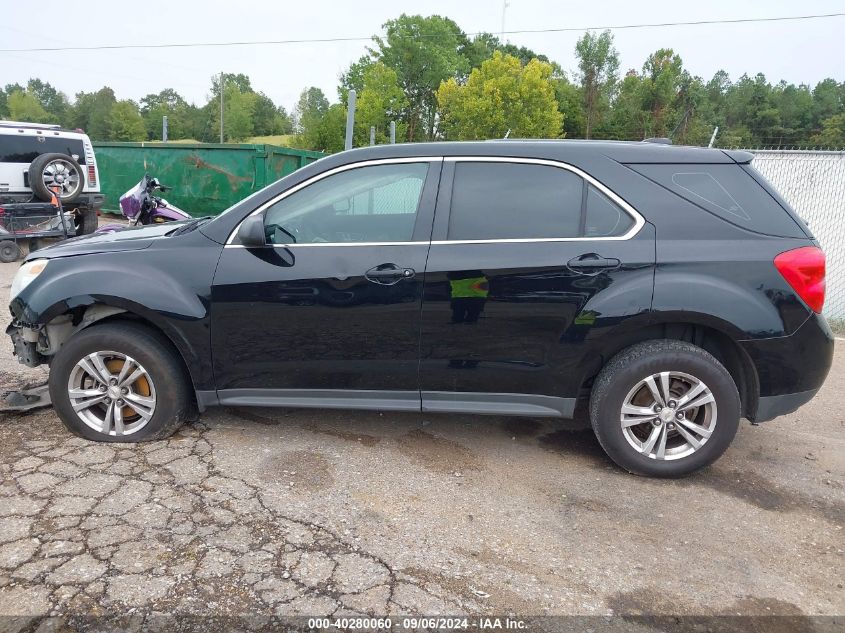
[(741, 157)]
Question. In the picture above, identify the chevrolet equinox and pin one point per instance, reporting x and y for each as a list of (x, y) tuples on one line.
[(667, 291)]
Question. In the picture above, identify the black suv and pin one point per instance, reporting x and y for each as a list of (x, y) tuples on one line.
[(667, 290)]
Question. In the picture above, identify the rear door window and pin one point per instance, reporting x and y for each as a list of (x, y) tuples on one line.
[(514, 201), (511, 200), (728, 192)]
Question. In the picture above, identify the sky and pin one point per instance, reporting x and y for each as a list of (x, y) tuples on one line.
[(799, 52)]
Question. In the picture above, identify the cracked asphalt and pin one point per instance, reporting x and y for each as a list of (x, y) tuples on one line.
[(268, 511)]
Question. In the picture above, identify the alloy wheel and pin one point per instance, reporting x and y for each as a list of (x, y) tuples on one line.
[(61, 174), (112, 393), (668, 415)]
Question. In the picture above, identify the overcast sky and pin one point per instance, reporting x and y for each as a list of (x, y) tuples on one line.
[(800, 52)]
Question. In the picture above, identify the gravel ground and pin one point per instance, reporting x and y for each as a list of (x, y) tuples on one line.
[(262, 511)]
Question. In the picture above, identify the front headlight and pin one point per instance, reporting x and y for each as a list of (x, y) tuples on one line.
[(26, 275)]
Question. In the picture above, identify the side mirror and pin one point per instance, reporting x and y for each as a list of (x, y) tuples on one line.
[(251, 232)]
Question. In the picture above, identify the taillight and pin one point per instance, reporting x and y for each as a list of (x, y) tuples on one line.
[(803, 268), (92, 176)]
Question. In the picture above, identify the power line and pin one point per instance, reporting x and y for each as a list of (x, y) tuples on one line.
[(326, 40)]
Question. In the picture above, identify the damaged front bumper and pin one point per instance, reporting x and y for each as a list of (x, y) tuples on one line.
[(25, 343)]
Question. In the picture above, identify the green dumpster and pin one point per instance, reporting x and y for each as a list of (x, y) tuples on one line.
[(206, 178)]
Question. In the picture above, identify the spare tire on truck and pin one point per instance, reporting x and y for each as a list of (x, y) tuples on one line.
[(56, 170)]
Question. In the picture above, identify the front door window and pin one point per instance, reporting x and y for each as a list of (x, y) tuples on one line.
[(377, 203)]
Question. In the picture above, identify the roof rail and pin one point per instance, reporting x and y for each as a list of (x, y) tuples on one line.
[(660, 140), (36, 126)]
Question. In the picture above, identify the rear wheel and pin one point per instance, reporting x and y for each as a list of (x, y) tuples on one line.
[(85, 220), (119, 382), (664, 408), (9, 251)]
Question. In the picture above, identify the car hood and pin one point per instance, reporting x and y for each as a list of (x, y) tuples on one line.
[(129, 239)]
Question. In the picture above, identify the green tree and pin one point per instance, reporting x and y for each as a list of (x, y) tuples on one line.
[(311, 107), (23, 106), (598, 64), (499, 96), (238, 114), (326, 133), (126, 122), (424, 52), (353, 78), (92, 112), (380, 101), (53, 101), (483, 45), (827, 100), (167, 103), (570, 103), (661, 80), (626, 121), (832, 133)]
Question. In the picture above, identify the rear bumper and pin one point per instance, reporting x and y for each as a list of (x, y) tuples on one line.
[(770, 407), (790, 369), (91, 200)]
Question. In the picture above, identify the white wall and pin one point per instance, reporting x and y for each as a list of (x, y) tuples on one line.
[(814, 184)]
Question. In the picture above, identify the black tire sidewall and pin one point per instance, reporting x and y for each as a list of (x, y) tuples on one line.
[(85, 220), (16, 251), (36, 181), (147, 348), (607, 407)]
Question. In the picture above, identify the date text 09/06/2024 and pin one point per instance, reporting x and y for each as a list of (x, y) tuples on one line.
[(432, 623)]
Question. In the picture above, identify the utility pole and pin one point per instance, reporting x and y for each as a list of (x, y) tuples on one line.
[(393, 132), (221, 107), (713, 138), (502, 32), (350, 118)]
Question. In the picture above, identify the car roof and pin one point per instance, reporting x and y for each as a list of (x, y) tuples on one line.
[(22, 125), (563, 150)]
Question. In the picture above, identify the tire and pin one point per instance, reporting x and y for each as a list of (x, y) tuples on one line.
[(70, 175), (165, 381), (85, 219), (9, 251), (623, 381)]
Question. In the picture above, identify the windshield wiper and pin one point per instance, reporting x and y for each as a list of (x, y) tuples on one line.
[(189, 226)]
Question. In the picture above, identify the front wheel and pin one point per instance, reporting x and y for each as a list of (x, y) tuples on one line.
[(664, 408), (119, 382)]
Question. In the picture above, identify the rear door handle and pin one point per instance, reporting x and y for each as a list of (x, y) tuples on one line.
[(592, 262), (389, 274)]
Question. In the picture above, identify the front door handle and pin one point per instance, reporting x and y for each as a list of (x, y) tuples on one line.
[(389, 274), (592, 263)]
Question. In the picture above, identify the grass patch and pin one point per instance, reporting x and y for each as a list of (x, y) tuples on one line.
[(285, 140)]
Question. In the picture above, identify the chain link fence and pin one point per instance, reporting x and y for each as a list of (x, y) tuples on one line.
[(813, 182)]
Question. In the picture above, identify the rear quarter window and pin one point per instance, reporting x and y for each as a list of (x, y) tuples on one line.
[(728, 192)]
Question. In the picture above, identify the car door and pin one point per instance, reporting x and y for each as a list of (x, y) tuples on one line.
[(531, 263), (328, 312)]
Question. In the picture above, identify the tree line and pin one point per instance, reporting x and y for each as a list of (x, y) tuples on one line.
[(437, 83)]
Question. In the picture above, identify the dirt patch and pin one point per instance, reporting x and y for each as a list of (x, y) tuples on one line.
[(522, 427), (661, 610), (579, 442), (251, 416), (298, 469), (366, 440), (436, 453), (764, 494)]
